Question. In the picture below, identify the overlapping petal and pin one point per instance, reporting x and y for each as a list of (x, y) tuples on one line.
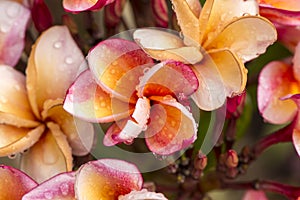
[(13, 19), (142, 195), (292, 5), (82, 5), (14, 183)]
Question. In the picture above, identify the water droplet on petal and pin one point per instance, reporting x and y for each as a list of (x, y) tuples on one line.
[(17, 87), (57, 44), (146, 70), (160, 157), (48, 195), (4, 28), (12, 156), (64, 188), (69, 60)]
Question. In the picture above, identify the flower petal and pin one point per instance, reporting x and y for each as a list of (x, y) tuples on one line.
[(160, 12), (14, 105), (271, 89), (232, 70), (254, 194), (142, 195), (289, 36), (296, 63), (82, 5), (247, 36), (87, 101), (284, 17), (51, 155), (168, 78), (55, 53), (13, 20), (60, 187), (117, 65), (211, 93), (216, 14), (15, 140), (195, 7), (296, 140), (80, 134), (107, 179), (171, 128), (14, 183), (292, 5)]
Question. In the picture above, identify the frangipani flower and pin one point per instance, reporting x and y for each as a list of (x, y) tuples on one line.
[(82, 5), (278, 92), (138, 96), (216, 41), (31, 112), (13, 22), (14, 183), (106, 179)]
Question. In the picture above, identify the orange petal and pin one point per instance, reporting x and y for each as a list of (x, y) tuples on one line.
[(107, 179), (187, 21), (232, 70), (14, 104), (216, 14), (171, 128), (195, 7), (211, 93), (82, 5), (247, 36), (60, 187), (53, 65), (14, 183), (15, 140), (271, 89), (292, 5), (254, 194), (80, 134), (87, 101), (50, 156), (142, 194), (168, 78), (13, 20), (117, 65)]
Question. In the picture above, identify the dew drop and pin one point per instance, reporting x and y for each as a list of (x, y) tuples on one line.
[(160, 157), (69, 60), (57, 44), (48, 195), (17, 87), (12, 156), (4, 28), (146, 70), (64, 188)]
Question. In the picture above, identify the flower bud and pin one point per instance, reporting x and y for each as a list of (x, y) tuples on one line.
[(160, 12), (200, 161), (41, 15), (232, 159)]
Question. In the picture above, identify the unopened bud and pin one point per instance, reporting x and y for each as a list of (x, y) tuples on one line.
[(232, 159), (41, 15), (200, 161)]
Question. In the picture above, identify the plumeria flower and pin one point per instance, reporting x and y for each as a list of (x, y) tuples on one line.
[(83, 5), (217, 40), (124, 86), (106, 179), (13, 23), (14, 183), (278, 97), (31, 114)]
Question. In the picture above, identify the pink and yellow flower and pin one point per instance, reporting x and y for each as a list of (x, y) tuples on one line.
[(278, 92), (217, 39), (31, 112), (106, 179), (124, 86), (82, 5)]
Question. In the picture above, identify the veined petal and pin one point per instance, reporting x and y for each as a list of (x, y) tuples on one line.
[(216, 14), (55, 58), (281, 16), (171, 128), (50, 156), (107, 179), (60, 187), (247, 36), (80, 134), (187, 21), (271, 89), (142, 195), (14, 104), (168, 78), (13, 20), (254, 194), (14, 183), (15, 140), (211, 93), (232, 70), (292, 5), (82, 5), (87, 101), (117, 65)]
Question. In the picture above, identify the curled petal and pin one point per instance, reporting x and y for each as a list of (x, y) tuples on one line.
[(160, 11), (247, 36), (82, 5), (171, 128), (50, 156), (14, 183), (142, 195), (232, 70), (15, 140), (107, 179), (253, 194), (271, 89), (216, 14), (55, 53), (60, 187), (87, 101), (285, 17), (117, 65), (13, 20), (113, 13)]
